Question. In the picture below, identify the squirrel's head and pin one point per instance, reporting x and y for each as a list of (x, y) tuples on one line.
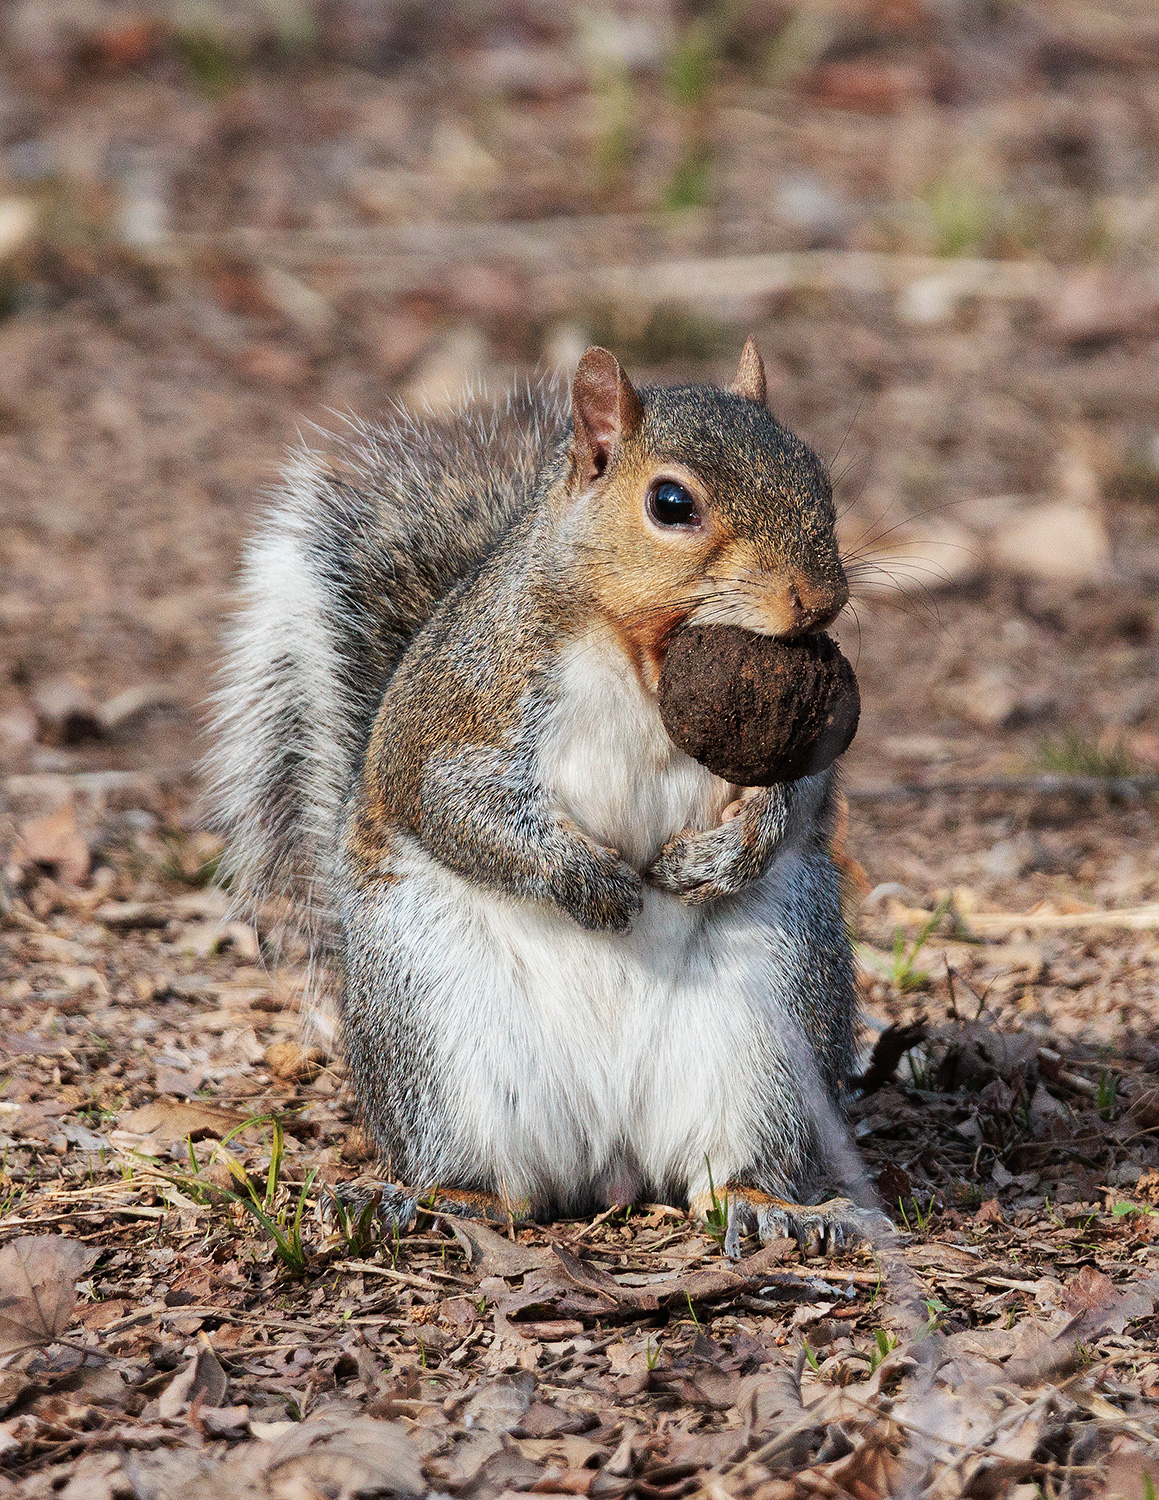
[(692, 502)]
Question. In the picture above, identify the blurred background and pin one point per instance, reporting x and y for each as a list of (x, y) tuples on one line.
[(221, 223)]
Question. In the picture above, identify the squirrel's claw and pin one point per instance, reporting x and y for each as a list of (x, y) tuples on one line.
[(826, 1228), (818, 1228), (700, 866)]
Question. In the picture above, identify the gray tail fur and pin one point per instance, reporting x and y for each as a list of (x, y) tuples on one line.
[(350, 560)]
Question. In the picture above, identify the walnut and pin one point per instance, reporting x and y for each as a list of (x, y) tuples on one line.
[(754, 710)]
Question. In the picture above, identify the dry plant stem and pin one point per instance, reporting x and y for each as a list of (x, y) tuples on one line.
[(997, 923), (587, 1229), (368, 1268)]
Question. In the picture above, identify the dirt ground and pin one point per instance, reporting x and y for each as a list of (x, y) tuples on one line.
[(223, 228)]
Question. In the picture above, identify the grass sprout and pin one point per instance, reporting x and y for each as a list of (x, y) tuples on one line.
[(884, 1343), (716, 1219), (268, 1200), (905, 974), (1076, 754)]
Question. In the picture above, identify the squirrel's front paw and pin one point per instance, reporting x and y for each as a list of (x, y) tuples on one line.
[(701, 866), (595, 886)]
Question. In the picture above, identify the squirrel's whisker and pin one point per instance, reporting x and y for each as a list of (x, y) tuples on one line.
[(848, 430)]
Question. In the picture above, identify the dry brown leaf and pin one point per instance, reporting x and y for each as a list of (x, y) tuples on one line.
[(55, 843), (501, 1403), (509, 1349), (293, 1063), (1089, 1290), (592, 1279), (1132, 1472), (870, 1471), (1122, 1306), (543, 1420), (12, 1386), (336, 1456), (458, 1467), (507, 1472), (769, 1402), (224, 1421), (134, 914), (493, 1255), (202, 1379), (38, 1276), (168, 1120)]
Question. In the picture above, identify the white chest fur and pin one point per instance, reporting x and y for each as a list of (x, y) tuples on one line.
[(607, 762), (581, 1065)]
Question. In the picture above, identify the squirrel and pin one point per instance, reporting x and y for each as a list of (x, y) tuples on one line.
[(576, 968)]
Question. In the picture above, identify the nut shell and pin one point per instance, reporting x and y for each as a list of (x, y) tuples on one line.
[(754, 710)]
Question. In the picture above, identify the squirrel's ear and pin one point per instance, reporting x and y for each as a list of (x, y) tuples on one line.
[(750, 374), (605, 408)]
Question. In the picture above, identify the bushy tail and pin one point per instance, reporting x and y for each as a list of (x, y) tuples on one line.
[(350, 560)]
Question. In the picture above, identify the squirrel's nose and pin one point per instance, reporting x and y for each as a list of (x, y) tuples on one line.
[(813, 606)]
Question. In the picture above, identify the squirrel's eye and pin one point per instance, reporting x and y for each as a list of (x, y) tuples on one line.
[(670, 504)]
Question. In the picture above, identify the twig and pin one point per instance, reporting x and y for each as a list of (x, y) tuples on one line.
[(558, 259), (595, 1223), (368, 1268), (998, 923)]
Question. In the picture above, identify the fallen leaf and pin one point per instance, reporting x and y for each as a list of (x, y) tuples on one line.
[(501, 1403), (12, 1386), (1111, 1311), (133, 914), (328, 1455), (457, 1468), (168, 1120), (101, 1314), (224, 1421), (492, 1255), (203, 1377), (506, 1472), (591, 1279), (542, 1420), (65, 712), (1088, 1291), (38, 1276), (293, 1063), (55, 843)]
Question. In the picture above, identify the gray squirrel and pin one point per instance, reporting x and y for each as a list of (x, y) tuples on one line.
[(576, 969)]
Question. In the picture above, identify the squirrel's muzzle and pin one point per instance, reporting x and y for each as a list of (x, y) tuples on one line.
[(806, 606)]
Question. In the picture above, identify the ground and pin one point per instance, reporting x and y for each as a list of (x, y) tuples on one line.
[(221, 234)]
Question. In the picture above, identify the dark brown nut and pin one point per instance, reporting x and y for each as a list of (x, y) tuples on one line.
[(757, 711)]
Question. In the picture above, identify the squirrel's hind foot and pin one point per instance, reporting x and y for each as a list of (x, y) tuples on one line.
[(396, 1207), (819, 1228), (348, 1204)]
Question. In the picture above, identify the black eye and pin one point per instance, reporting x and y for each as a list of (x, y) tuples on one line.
[(670, 504)]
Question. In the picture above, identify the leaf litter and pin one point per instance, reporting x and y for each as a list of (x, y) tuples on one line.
[(160, 1338)]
